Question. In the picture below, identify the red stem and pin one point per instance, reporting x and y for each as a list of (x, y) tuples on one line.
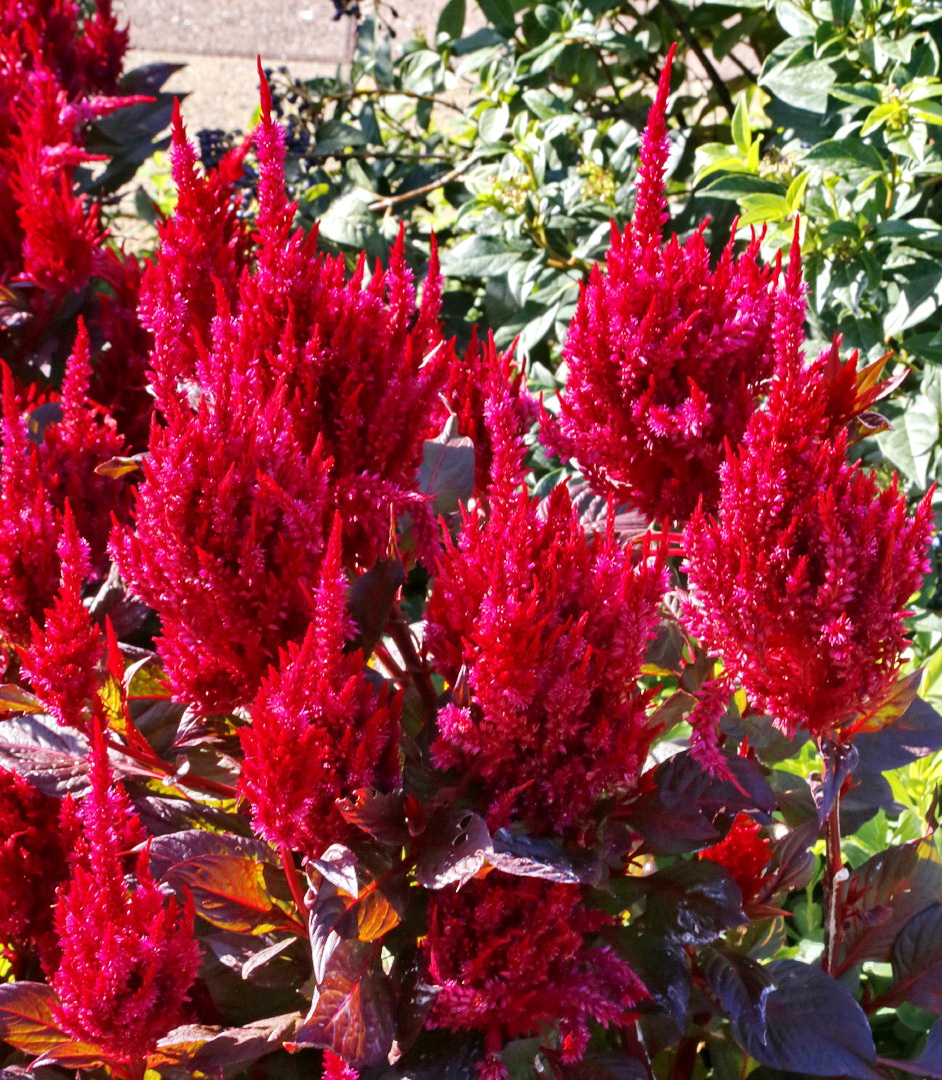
[(163, 771), (833, 877), (401, 634), (294, 884)]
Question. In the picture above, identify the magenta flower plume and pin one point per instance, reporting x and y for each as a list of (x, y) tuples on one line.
[(486, 390), (541, 632), (78, 437), (128, 953), (37, 833), (230, 532), (29, 532), (320, 728), (510, 958), (801, 580), (667, 356), (745, 852), (63, 660), (335, 1068)]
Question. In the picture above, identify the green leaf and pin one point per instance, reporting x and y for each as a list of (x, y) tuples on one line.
[(493, 122), (762, 207), (451, 20), (843, 153), (800, 82), (501, 14), (741, 128), (796, 192)]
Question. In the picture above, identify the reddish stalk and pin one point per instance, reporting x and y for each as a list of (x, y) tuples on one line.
[(294, 884), (834, 875), (400, 633), (162, 770)]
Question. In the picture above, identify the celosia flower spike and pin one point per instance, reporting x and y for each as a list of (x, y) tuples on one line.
[(319, 729), (801, 581), (509, 957), (128, 953), (37, 833), (650, 215), (667, 356), (62, 662), (552, 717)]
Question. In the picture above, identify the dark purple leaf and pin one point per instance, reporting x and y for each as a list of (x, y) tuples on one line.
[(606, 1067), (370, 601), (378, 815), (675, 813), (867, 794), (27, 1023), (148, 78), (167, 850), (814, 1026), (447, 470), (739, 984), (689, 902), (440, 1055), (458, 846), (917, 961), (196, 1049), (840, 760), (916, 734), (529, 856), (50, 756), (793, 862), (663, 967), (353, 1013), (882, 895)]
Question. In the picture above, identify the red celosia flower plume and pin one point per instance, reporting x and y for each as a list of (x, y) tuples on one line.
[(543, 631), (510, 957), (800, 583), (63, 660), (485, 391), (666, 355), (320, 728), (29, 532), (128, 953), (745, 852), (230, 531), (37, 833)]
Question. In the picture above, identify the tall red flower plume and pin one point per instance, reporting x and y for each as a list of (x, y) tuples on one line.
[(801, 580), (320, 729), (509, 955), (128, 953), (63, 660), (666, 355), (541, 632), (37, 833)]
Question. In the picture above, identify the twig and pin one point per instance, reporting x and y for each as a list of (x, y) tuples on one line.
[(697, 49), (349, 95), (452, 174)]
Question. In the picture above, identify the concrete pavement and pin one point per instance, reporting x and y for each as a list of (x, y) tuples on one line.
[(218, 41)]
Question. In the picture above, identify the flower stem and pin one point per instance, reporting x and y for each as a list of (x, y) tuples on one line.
[(834, 874), (294, 884)]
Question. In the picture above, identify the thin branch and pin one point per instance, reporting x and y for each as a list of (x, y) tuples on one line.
[(696, 48), (446, 178)]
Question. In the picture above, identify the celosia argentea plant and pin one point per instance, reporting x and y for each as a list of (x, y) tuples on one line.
[(311, 781)]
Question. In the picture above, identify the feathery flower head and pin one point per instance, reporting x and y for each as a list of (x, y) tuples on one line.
[(37, 833), (667, 356), (29, 531), (486, 392), (320, 729), (801, 580), (745, 852), (230, 532), (543, 631), (510, 958), (128, 953), (63, 660)]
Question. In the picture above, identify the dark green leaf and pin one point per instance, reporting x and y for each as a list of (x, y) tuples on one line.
[(451, 20)]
